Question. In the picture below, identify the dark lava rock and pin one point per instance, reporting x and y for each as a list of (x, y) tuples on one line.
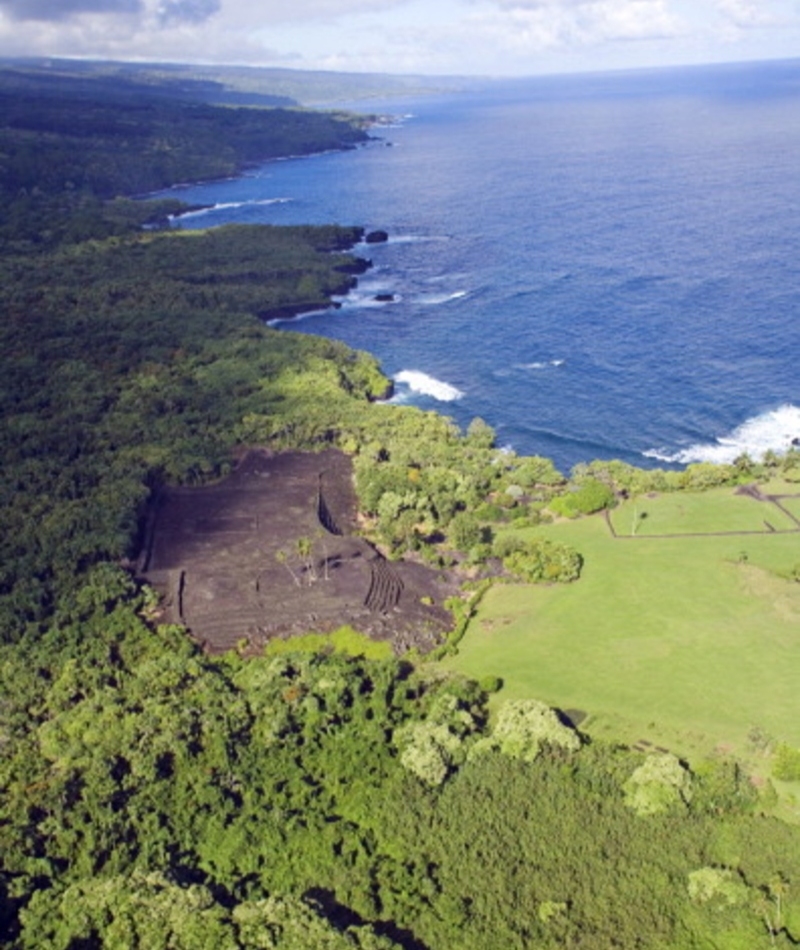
[(384, 298), (377, 237), (358, 265)]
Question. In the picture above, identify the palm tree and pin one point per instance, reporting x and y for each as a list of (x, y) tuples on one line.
[(282, 558)]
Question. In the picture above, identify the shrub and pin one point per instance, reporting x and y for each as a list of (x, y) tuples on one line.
[(786, 766), (491, 684), (544, 560), (591, 496), (489, 512), (508, 544)]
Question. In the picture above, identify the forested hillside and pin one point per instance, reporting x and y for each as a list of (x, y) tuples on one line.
[(232, 85), (68, 143), (152, 796)]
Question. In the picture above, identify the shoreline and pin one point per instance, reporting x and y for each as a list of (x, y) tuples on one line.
[(355, 267)]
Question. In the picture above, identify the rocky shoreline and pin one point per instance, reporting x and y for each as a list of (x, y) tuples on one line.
[(355, 267)]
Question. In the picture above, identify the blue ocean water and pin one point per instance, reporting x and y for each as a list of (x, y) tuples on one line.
[(599, 266)]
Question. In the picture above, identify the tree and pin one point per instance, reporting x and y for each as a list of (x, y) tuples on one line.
[(523, 727), (480, 434), (283, 558), (305, 550), (659, 784), (465, 531)]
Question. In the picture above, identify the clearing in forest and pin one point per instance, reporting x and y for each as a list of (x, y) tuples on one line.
[(690, 642)]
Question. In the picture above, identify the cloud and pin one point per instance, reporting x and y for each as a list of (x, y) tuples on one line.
[(417, 36), (186, 11), (55, 10), (171, 12), (745, 14), (549, 24), (634, 19)]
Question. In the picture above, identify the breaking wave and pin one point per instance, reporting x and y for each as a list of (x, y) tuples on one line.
[(771, 431), (426, 385), (355, 300), (434, 299), (416, 238), (227, 205), (541, 365)]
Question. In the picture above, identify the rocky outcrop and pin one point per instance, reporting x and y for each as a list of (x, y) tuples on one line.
[(357, 265)]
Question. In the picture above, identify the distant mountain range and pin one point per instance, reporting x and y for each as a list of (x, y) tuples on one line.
[(227, 85)]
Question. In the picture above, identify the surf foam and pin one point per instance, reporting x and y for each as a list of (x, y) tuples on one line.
[(540, 365), (226, 205), (436, 299), (771, 431), (425, 385)]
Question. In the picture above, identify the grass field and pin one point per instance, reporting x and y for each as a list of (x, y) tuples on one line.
[(687, 642), (697, 513), (792, 505)]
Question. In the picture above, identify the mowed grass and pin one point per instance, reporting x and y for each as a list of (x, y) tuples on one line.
[(696, 513), (792, 505), (687, 642)]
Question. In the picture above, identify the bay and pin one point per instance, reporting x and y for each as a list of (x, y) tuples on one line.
[(599, 266)]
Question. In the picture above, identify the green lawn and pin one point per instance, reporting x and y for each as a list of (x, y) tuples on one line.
[(792, 505), (695, 513), (687, 642)]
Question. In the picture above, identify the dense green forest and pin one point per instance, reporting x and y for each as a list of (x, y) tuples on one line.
[(68, 143), (152, 796)]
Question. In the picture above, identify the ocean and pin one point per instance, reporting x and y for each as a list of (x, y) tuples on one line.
[(599, 266)]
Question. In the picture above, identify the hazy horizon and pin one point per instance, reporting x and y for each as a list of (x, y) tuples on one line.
[(469, 38)]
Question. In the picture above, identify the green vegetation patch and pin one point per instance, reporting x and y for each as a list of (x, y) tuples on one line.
[(687, 642), (345, 640), (161, 797)]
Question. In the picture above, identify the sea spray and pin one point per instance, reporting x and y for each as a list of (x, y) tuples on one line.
[(425, 385), (772, 431)]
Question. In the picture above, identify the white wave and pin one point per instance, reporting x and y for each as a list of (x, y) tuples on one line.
[(419, 382), (416, 238), (449, 277), (436, 299), (540, 365), (226, 205), (355, 300), (392, 120), (771, 431), (278, 321)]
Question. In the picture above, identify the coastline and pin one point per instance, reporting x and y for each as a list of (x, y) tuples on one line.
[(353, 268)]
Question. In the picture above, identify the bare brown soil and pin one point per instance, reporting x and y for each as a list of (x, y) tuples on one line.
[(225, 558)]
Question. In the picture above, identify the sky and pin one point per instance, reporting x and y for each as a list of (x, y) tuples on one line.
[(438, 37)]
